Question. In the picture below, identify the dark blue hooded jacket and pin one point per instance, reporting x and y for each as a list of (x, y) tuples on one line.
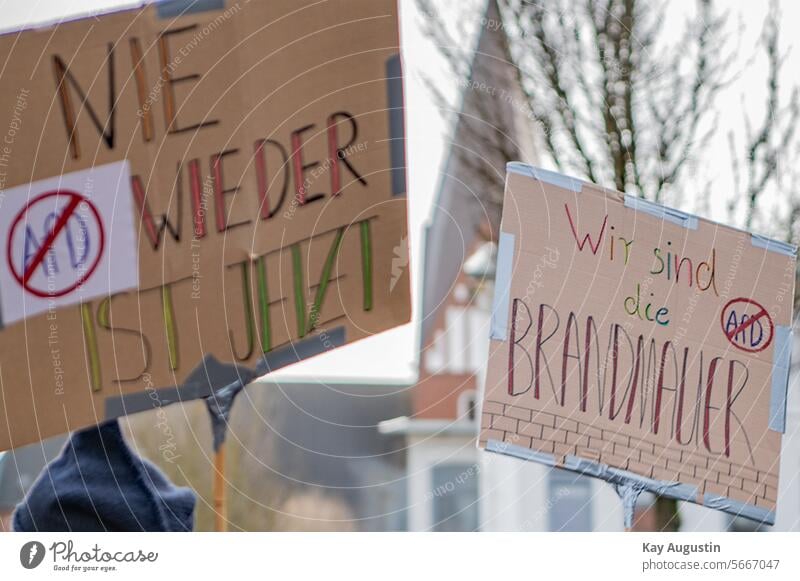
[(98, 484)]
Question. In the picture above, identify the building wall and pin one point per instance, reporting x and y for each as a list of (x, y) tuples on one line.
[(425, 452), (787, 517)]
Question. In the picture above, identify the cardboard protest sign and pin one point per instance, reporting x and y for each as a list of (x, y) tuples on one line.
[(191, 189), (636, 343)]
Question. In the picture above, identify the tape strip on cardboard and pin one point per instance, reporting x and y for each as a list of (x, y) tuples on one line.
[(773, 245), (662, 212), (676, 490), (520, 452), (545, 175), (781, 363), (397, 128), (211, 375), (175, 8), (502, 287), (738, 508)]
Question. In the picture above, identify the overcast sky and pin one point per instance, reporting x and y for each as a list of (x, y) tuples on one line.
[(392, 355)]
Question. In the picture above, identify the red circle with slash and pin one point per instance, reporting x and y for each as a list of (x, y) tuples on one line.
[(759, 314), (74, 200)]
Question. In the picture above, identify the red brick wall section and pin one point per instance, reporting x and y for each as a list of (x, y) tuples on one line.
[(562, 436), (436, 396)]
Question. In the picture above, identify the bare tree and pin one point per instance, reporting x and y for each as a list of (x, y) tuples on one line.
[(622, 101), (615, 102), (487, 120), (757, 163)]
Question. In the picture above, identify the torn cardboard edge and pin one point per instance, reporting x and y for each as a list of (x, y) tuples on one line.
[(621, 478), (211, 377), (685, 219), (781, 363), (502, 287)]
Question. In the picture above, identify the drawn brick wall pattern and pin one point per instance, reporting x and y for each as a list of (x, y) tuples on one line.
[(562, 436)]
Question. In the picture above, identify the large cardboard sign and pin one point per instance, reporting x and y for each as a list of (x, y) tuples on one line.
[(639, 344), (187, 190)]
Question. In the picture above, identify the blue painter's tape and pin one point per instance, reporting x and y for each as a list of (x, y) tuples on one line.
[(545, 175), (174, 8), (781, 363), (210, 376), (296, 352), (502, 287), (397, 125), (676, 490), (621, 478), (585, 466), (520, 452), (738, 508), (662, 212), (773, 245)]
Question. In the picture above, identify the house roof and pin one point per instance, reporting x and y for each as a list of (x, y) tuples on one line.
[(458, 211)]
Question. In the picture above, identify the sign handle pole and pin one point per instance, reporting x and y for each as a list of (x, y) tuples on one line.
[(628, 490), (220, 506), (219, 406)]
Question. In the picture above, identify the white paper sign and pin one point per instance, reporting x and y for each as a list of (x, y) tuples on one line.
[(66, 240)]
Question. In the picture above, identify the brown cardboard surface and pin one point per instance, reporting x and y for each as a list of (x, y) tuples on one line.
[(239, 124), (583, 372)]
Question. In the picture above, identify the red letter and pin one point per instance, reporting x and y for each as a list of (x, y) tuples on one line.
[(660, 386), (712, 369), (338, 153), (300, 167), (730, 401), (539, 343), (220, 191), (261, 176), (198, 205), (587, 238), (154, 233), (514, 343), (168, 65)]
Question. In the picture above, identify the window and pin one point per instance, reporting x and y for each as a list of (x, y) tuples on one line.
[(740, 524), (455, 497), (569, 501), (467, 407)]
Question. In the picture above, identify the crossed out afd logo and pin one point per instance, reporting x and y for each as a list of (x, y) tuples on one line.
[(31, 554)]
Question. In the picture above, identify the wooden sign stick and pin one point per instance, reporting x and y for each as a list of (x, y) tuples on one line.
[(219, 406), (220, 505)]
